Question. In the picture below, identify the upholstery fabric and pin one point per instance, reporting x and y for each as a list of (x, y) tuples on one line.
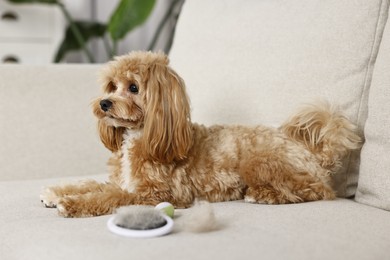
[(47, 126), (255, 61), (341, 229), (374, 178)]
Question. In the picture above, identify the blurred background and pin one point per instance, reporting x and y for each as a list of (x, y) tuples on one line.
[(83, 31)]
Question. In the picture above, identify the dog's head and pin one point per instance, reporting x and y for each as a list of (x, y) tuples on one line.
[(142, 92)]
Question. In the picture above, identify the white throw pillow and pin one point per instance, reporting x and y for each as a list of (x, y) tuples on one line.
[(255, 61)]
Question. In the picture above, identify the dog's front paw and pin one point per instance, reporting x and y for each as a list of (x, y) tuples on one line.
[(87, 205), (49, 198), (77, 207), (71, 207)]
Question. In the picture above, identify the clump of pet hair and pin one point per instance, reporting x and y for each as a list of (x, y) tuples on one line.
[(198, 219), (139, 218)]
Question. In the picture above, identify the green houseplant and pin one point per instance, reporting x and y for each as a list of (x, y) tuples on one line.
[(127, 15)]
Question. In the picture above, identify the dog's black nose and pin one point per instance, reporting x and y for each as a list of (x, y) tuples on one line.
[(105, 105)]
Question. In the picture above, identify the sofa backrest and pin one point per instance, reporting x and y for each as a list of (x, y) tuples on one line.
[(47, 126), (255, 61)]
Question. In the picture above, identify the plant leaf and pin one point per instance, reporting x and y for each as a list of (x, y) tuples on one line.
[(33, 1), (87, 29), (128, 15)]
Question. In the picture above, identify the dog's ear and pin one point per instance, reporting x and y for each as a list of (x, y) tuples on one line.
[(111, 137), (167, 127)]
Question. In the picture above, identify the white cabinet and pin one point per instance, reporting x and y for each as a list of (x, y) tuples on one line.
[(29, 33)]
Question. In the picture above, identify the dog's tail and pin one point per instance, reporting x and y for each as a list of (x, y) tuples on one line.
[(325, 131)]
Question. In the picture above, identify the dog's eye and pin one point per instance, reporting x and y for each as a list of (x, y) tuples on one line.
[(133, 88)]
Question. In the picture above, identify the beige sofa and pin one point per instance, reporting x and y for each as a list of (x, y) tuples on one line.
[(248, 62)]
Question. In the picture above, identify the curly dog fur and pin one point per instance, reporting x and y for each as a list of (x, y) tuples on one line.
[(158, 154)]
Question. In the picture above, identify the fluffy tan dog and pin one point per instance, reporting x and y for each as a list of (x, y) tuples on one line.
[(158, 154)]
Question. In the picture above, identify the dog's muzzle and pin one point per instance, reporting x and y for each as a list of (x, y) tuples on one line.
[(105, 105)]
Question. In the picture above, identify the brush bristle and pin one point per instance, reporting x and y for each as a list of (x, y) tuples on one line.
[(139, 218)]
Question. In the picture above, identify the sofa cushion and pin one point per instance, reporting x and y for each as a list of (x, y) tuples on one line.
[(374, 179), (255, 61), (47, 126), (341, 229)]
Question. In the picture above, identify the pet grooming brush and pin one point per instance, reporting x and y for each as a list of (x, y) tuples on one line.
[(141, 221)]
